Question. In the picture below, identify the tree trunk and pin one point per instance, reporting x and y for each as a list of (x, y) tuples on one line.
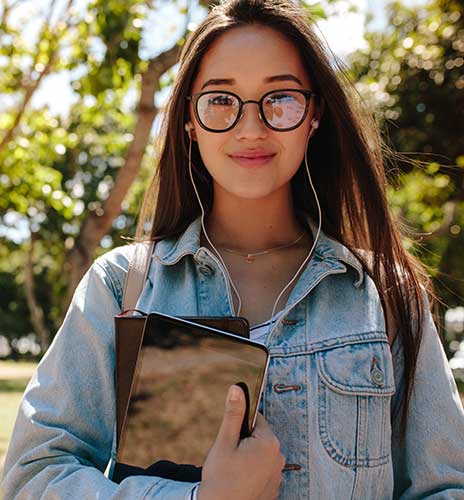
[(96, 226), (37, 314)]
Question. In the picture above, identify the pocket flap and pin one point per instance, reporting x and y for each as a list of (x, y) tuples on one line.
[(364, 368)]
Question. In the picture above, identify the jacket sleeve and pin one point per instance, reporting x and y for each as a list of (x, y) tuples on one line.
[(429, 462), (63, 436)]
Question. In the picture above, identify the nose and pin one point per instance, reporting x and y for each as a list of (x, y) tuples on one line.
[(250, 125)]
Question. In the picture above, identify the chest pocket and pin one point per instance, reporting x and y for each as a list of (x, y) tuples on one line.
[(355, 385)]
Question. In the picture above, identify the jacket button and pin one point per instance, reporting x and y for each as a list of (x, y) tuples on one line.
[(289, 321), (377, 377), (284, 388), (291, 467), (206, 270)]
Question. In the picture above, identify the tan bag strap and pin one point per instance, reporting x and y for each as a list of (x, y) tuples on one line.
[(137, 274)]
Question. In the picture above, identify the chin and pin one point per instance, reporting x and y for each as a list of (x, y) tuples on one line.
[(251, 194), (251, 190)]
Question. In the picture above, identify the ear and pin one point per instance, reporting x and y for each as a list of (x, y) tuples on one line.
[(189, 128)]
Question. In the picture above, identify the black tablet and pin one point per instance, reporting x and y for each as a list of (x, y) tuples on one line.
[(179, 387)]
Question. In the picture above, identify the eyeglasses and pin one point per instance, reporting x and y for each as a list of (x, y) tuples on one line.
[(281, 110)]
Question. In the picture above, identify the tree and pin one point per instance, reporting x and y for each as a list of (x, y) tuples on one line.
[(411, 76), (66, 178), (71, 185)]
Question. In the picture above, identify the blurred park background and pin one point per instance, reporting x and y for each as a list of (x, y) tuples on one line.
[(83, 84)]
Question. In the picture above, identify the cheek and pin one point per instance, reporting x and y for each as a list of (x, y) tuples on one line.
[(296, 145), (210, 148), (206, 143)]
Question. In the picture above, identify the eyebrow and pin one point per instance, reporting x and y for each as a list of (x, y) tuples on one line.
[(268, 79)]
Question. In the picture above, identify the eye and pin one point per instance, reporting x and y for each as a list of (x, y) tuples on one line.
[(221, 100), (279, 98)]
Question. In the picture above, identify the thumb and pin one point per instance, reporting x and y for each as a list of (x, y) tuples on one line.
[(229, 432)]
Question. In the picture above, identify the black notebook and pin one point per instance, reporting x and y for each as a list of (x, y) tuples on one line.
[(178, 390)]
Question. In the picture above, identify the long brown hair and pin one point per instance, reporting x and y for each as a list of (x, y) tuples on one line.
[(347, 163)]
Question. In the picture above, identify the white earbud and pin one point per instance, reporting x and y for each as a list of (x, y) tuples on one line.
[(313, 127), (188, 127)]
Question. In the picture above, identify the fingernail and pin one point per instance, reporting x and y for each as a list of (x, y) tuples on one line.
[(234, 393)]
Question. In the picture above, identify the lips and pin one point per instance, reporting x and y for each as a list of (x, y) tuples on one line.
[(252, 159), (252, 155)]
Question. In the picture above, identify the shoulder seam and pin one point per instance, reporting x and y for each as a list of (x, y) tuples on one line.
[(115, 283)]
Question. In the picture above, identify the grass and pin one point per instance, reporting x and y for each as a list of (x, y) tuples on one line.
[(16, 369), (13, 380), (13, 385), (9, 403), (460, 384)]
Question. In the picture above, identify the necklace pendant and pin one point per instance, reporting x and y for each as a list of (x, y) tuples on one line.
[(249, 258)]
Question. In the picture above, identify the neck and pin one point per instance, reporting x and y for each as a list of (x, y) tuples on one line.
[(251, 225)]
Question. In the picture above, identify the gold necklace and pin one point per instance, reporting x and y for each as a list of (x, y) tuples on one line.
[(250, 257)]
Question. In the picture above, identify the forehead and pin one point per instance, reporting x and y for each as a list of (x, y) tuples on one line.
[(250, 54)]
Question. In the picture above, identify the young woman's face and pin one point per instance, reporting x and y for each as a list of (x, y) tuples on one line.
[(248, 56)]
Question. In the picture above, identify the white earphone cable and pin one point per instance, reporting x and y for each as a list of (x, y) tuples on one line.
[(319, 211), (219, 255), (204, 229)]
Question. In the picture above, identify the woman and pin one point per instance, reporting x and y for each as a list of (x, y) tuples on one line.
[(271, 184)]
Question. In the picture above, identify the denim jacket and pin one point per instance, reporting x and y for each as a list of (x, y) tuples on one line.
[(332, 382)]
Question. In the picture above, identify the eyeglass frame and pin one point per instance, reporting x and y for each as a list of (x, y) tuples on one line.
[(196, 96)]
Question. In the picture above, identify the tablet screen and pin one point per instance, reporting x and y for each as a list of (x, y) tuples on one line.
[(178, 393)]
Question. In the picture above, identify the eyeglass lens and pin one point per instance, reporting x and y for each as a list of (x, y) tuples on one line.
[(282, 109)]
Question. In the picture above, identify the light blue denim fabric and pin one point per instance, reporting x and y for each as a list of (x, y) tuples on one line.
[(332, 381)]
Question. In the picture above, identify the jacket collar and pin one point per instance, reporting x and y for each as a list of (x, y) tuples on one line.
[(169, 251)]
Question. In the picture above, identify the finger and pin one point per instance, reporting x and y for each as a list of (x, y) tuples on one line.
[(229, 432)]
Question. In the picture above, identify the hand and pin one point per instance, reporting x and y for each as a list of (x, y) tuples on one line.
[(247, 469)]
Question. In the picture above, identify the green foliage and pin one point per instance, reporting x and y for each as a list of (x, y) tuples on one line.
[(118, 25), (411, 76), (56, 170), (328, 8), (315, 10)]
